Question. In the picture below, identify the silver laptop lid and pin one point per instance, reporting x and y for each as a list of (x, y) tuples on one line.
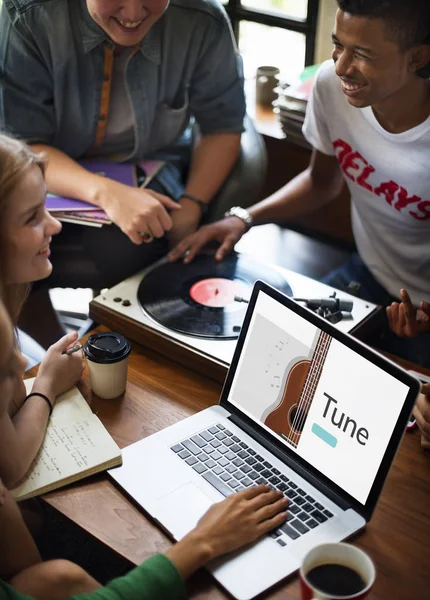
[(318, 397)]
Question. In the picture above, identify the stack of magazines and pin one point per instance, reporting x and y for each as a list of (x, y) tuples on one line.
[(71, 210), (291, 105)]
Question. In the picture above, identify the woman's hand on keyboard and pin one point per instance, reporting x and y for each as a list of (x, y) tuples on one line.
[(237, 521)]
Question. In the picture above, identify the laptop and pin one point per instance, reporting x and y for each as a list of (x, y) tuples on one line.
[(307, 409)]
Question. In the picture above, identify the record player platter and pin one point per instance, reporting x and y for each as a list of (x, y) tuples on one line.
[(198, 299)]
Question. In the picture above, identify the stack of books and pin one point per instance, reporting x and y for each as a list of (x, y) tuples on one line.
[(71, 210), (291, 105)]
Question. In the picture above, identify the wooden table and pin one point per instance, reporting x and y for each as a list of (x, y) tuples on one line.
[(159, 393)]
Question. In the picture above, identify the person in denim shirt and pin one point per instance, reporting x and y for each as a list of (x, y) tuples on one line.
[(123, 79)]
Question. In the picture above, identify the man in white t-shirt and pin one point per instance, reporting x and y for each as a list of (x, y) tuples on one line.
[(368, 121)]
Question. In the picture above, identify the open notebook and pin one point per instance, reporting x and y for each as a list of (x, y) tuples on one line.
[(76, 445)]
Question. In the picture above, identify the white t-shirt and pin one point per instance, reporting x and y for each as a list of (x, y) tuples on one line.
[(388, 176)]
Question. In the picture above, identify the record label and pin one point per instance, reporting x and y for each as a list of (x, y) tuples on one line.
[(216, 292)]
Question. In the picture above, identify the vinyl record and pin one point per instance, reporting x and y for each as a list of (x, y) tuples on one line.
[(198, 299)]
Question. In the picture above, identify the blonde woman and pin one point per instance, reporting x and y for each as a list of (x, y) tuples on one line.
[(26, 229)]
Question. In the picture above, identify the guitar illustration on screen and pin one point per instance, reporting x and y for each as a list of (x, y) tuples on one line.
[(289, 417)]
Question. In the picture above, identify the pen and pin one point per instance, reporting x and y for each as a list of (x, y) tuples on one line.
[(74, 348)]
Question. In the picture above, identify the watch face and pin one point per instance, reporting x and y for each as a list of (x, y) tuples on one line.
[(238, 211), (241, 213)]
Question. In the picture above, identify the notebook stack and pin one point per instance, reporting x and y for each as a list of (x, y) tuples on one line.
[(291, 105), (71, 210)]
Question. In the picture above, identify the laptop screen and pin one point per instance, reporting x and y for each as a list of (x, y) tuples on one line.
[(326, 402)]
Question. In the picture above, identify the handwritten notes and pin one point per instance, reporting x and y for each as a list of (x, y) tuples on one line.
[(76, 445)]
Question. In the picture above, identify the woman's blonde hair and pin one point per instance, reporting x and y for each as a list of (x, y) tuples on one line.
[(16, 158)]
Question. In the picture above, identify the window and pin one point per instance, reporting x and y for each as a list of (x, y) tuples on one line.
[(279, 33)]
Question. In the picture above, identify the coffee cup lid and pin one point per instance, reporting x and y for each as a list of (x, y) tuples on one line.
[(107, 347)]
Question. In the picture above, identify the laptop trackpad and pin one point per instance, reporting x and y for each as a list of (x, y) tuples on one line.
[(179, 511)]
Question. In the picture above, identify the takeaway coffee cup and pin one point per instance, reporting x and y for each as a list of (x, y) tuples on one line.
[(107, 356), (332, 571)]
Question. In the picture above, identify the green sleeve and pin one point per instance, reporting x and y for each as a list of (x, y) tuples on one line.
[(155, 579), (7, 592)]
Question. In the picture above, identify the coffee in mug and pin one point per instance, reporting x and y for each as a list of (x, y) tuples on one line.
[(336, 571), (336, 580), (107, 357)]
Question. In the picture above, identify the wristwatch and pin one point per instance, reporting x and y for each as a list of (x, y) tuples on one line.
[(242, 213)]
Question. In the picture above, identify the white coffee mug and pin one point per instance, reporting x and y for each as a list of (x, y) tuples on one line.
[(267, 79), (337, 554)]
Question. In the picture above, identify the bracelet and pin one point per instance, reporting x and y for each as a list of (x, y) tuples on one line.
[(47, 400), (203, 205)]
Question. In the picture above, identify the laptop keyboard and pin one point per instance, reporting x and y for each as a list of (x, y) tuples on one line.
[(230, 465)]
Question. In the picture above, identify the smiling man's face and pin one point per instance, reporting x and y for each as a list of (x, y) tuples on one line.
[(126, 21), (372, 69)]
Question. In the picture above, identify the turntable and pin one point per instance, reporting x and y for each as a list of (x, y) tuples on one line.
[(193, 313)]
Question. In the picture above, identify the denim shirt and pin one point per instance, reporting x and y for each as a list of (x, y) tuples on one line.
[(51, 75)]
